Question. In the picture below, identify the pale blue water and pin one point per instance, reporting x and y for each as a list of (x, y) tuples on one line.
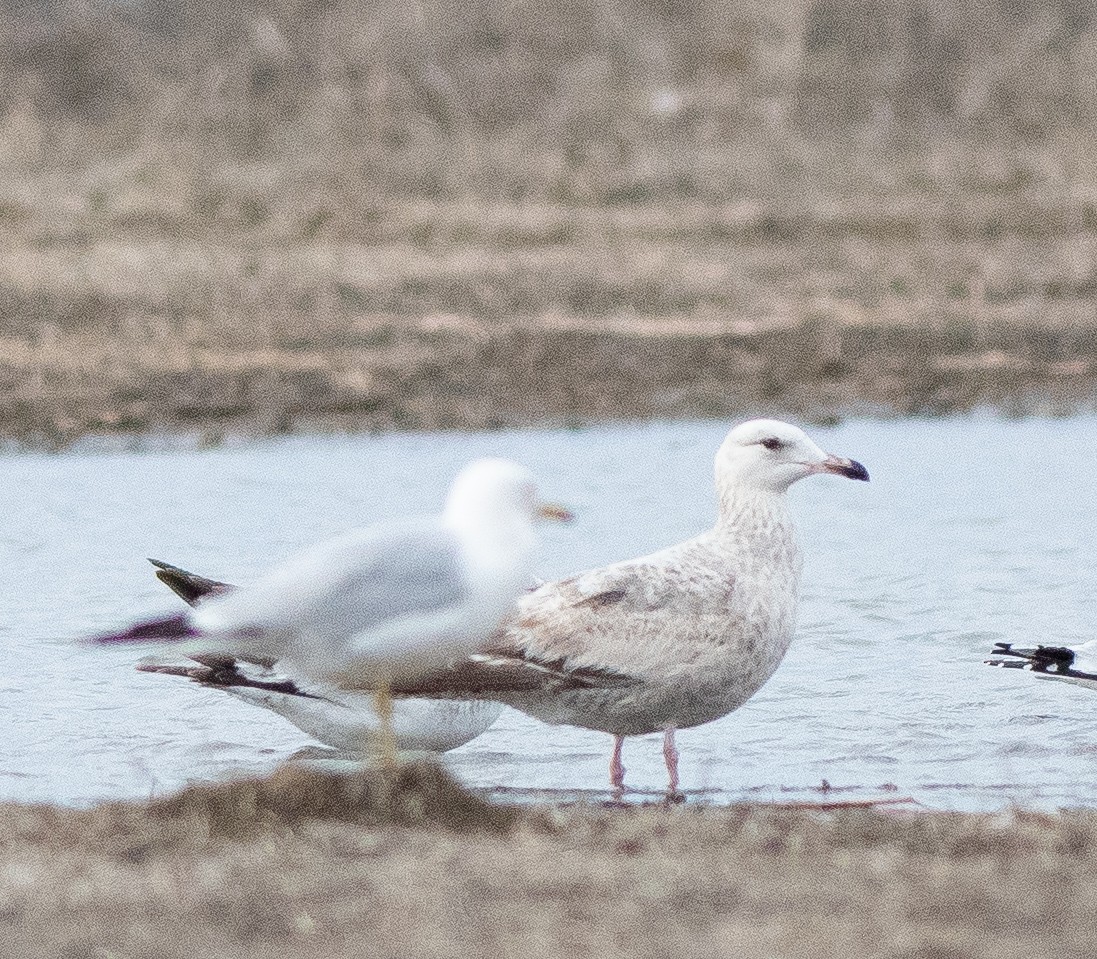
[(971, 531)]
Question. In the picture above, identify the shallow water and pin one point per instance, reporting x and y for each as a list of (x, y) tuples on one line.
[(973, 530)]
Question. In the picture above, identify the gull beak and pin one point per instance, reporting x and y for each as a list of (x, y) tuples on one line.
[(554, 513), (840, 466)]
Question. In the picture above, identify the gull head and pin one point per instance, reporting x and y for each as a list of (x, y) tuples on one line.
[(497, 494), (769, 456)]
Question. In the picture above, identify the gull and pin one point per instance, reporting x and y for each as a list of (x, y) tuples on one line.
[(666, 641), (1077, 665), (340, 718), (390, 601)]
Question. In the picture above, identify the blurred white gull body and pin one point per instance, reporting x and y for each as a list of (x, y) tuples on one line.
[(339, 718), (670, 640), (387, 602)]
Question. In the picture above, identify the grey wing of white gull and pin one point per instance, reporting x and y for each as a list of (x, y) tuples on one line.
[(382, 587), (1071, 664)]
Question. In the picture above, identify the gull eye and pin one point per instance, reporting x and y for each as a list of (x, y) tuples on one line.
[(772, 443)]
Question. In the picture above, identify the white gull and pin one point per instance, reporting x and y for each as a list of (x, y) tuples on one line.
[(390, 601), (667, 641), (340, 718)]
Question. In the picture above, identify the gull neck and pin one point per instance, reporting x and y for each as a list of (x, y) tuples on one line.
[(742, 507)]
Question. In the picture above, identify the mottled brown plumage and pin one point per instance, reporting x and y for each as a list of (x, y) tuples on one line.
[(670, 640)]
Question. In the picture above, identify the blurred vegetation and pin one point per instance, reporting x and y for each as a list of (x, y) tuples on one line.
[(577, 101), (314, 865), (337, 208)]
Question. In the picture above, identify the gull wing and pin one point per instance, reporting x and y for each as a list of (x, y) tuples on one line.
[(544, 644), (487, 675), (345, 587)]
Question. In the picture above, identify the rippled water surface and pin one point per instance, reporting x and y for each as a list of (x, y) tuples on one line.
[(972, 531)]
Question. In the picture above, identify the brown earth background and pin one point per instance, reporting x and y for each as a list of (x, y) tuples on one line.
[(265, 216)]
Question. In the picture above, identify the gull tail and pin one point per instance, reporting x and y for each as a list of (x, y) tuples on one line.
[(166, 629), (190, 587)]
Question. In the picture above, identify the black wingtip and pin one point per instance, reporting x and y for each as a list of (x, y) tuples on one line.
[(222, 671), (1045, 656), (169, 629), (1056, 661), (190, 587)]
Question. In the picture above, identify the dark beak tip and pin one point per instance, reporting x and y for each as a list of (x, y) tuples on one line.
[(843, 466), (857, 471)]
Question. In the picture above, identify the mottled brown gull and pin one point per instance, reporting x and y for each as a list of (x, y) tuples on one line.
[(392, 601), (670, 640)]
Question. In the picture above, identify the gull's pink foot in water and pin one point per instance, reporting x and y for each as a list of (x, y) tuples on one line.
[(616, 769)]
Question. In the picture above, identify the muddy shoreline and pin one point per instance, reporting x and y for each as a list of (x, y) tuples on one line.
[(451, 316), (535, 377), (320, 866)]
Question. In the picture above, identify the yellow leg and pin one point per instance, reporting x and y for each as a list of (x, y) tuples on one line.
[(382, 705)]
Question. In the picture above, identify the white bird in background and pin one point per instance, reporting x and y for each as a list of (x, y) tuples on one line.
[(340, 718), (385, 603), (1070, 664), (670, 640)]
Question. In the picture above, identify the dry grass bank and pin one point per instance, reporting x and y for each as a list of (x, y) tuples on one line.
[(324, 867), (368, 214), (667, 319)]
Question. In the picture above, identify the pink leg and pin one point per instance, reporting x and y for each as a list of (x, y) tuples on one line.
[(670, 757), (616, 770)]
